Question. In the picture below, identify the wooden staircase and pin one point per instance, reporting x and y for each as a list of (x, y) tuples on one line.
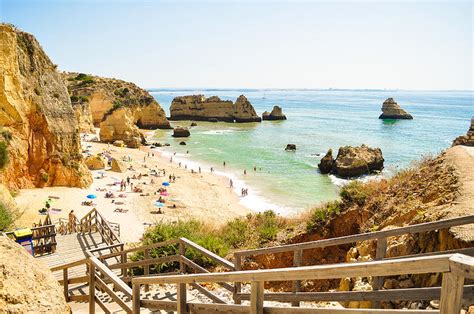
[(110, 280)]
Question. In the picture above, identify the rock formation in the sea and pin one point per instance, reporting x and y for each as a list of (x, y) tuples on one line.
[(468, 139), (326, 163), (27, 285), (180, 131), (213, 109), (276, 114), (352, 161), (37, 120), (391, 110), (96, 101), (290, 147)]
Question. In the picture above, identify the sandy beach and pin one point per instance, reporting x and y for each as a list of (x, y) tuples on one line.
[(203, 196)]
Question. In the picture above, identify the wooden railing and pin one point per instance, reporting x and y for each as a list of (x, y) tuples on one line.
[(454, 267), (379, 236), (44, 239), (66, 281), (94, 221)]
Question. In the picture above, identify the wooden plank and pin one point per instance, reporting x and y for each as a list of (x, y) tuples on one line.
[(91, 288), (159, 260), (200, 269), (69, 265), (182, 253), (136, 299), (412, 294), (451, 293), (462, 265), (380, 252), (181, 299), (159, 305), (422, 265), (115, 279), (102, 306), (308, 310), (79, 298), (106, 248), (129, 278), (113, 295), (146, 270), (209, 254), (423, 227), (256, 297), (208, 293), (237, 285), (297, 260), (65, 285), (223, 308)]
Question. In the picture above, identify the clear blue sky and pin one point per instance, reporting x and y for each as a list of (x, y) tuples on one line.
[(257, 44)]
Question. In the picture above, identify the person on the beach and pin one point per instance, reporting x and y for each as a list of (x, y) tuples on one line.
[(245, 171), (212, 170), (199, 169), (185, 166), (224, 164), (72, 222), (128, 180), (179, 165), (231, 183), (187, 152), (171, 159), (254, 168)]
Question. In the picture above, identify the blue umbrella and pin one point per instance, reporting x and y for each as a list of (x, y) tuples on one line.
[(159, 204), (91, 196), (165, 183)]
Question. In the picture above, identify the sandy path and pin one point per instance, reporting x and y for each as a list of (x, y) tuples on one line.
[(203, 196)]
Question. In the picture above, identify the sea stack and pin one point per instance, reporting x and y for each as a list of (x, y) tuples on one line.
[(180, 131), (212, 109), (276, 114), (352, 161), (468, 139), (391, 110)]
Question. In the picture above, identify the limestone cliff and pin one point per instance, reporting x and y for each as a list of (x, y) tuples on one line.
[(95, 98), (26, 284), (391, 110), (198, 107), (36, 117), (467, 139)]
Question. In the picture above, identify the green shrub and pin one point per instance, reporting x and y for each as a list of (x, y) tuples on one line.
[(235, 232), (6, 218), (7, 135), (83, 99), (45, 177), (321, 214), (267, 226), (74, 98), (355, 192), (117, 104), (3, 155)]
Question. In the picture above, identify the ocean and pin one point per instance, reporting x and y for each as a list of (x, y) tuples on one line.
[(288, 182)]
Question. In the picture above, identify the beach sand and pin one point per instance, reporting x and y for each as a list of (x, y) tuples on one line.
[(206, 197)]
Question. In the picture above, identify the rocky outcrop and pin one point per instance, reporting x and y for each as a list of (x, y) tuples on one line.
[(352, 161), (213, 109), (27, 285), (95, 162), (117, 166), (119, 126), (391, 110), (181, 132), (37, 119), (94, 98), (276, 114), (326, 163), (290, 147), (468, 139)]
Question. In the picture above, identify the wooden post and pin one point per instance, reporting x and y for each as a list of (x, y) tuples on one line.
[(66, 284), (256, 297), (237, 285), (91, 288), (297, 260), (377, 282), (123, 260), (136, 298), (147, 268), (451, 293), (181, 299), (182, 252)]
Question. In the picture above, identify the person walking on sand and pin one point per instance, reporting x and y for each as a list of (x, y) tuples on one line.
[(245, 171), (231, 183), (72, 222), (224, 163), (212, 170)]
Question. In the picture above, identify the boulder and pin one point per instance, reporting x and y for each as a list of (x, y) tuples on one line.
[(290, 147), (27, 285), (95, 162), (119, 125), (181, 132), (119, 143), (182, 143), (193, 124), (213, 109), (326, 163), (276, 114), (117, 166), (468, 139), (391, 110), (357, 161)]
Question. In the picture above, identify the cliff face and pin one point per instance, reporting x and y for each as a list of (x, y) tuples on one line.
[(198, 107), (391, 110), (467, 139), (96, 98), (36, 117)]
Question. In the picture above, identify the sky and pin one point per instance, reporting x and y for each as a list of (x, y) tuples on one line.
[(420, 45)]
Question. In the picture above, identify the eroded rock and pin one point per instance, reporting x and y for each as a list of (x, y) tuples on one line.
[(95, 162), (468, 139), (391, 110), (326, 163), (181, 132), (276, 114)]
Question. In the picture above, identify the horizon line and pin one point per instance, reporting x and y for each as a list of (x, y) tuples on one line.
[(156, 89)]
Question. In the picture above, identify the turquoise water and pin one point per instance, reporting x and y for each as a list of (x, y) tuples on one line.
[(317, 120)]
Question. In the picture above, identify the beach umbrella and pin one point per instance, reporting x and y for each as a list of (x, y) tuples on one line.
[(165, 184), (91, 196), (159, 204)]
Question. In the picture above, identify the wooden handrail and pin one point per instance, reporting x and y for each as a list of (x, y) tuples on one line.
[(69, 265), (140, 248), (402, 266), (208, 253), (113, 277), (423, 227)]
